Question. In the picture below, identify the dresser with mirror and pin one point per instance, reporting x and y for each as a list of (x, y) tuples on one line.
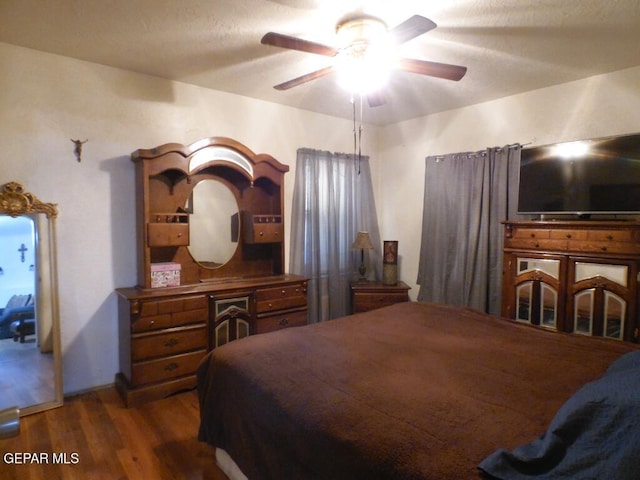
[(210, 237)]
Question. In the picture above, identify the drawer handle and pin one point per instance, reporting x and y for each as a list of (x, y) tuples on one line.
[(609, 237), (152, 323), (533, 235), (172, 342), (568, 235), (270, 305), (283, 322), (284, 292), (261, 234), (604, 249), (170, 367)]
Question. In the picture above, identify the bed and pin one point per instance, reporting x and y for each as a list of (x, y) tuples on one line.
[(416, 391)]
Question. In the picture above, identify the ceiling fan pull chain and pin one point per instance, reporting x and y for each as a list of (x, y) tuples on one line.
[(355, 138), (360, 137)]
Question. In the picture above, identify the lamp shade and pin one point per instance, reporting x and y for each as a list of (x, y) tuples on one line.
[(363, 241)]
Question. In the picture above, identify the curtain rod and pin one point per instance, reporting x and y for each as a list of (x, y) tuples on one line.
[(481, 152)]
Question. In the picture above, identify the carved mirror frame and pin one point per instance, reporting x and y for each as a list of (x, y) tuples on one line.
[(15, 201)]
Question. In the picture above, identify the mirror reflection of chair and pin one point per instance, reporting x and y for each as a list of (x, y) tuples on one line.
[(24, 325), (18, 306)]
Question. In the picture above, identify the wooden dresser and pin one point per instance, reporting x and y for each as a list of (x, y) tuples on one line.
[(165, 332), (367, 296), (210, 262), (573, 276)]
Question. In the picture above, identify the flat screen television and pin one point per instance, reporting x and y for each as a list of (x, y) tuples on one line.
[(587, 177)]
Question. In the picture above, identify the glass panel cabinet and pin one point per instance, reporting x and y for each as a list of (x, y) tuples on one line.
[(536, 287), (232, 320), (600, 295), (574, 276)]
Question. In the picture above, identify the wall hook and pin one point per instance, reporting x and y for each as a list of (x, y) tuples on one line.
[(78, 148)]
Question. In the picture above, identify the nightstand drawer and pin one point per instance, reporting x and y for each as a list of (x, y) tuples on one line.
[(364, 302), (367, 296)]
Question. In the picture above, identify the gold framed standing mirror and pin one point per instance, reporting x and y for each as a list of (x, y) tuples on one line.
[(30, 356)]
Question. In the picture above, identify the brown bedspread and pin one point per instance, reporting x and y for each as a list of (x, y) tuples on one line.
[(411, 391)]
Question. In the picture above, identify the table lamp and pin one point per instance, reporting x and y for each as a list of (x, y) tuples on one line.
[(363, 242)]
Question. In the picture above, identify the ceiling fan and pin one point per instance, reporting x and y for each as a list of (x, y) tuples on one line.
[(360, 38)]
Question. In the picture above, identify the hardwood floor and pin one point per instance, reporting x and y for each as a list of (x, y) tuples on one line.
[(101, 439), (27, 375)]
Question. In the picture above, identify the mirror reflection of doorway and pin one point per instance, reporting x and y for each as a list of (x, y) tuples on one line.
[(26, 360)]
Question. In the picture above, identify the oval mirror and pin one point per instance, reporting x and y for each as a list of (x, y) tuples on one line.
[(213, 223)]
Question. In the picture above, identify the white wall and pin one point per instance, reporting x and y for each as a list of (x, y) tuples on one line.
[(47, 100), (595, 107), (16, 277)]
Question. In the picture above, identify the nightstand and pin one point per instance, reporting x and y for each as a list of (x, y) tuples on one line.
[(367, 296)]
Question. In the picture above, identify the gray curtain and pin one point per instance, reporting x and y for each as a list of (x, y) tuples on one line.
[(466, 197), (332, 202)]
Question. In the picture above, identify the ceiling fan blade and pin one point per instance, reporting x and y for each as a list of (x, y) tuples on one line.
[(411, 28), (376, 99), (432, 69), (304, 79), (293, 43)]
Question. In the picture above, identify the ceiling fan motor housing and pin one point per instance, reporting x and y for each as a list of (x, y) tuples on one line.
[(361, 31)]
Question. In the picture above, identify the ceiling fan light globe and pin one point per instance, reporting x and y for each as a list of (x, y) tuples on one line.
[(362, 76), (364, 68)]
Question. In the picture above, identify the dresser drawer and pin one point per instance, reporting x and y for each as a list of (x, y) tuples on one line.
[(610, 235), (263, 228), (265, 233), (166, 368), (173, 305), (534, 239), (156, 322), (536, 243), (169, 313), (284, 320), (530, 233), (566, 234), (580, 239), (167, 234), (281, 298), (148, 346), (605, 247)]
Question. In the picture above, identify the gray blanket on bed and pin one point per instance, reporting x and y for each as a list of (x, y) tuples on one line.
[(595, 434)]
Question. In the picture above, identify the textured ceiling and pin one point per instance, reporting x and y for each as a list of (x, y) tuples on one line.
[(509, 46)]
